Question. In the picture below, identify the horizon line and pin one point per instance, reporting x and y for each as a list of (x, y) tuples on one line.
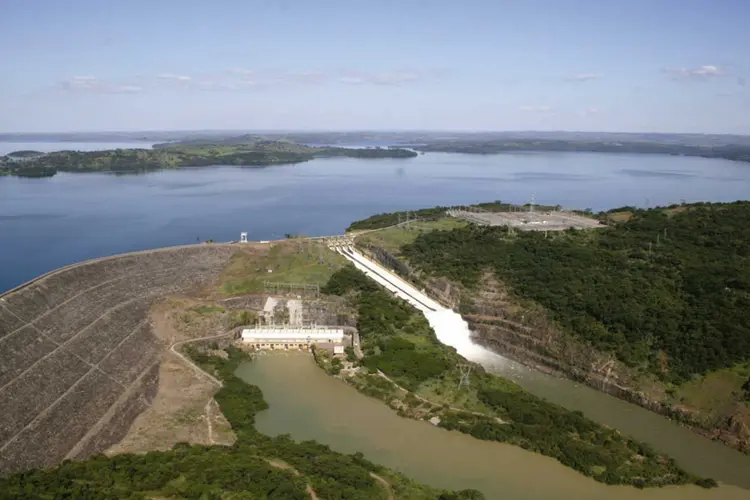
[(351, 131)]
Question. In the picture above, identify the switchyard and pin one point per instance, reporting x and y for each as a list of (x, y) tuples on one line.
[(526, 220)]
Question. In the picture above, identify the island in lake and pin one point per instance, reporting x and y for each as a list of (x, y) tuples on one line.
[(246, 151)]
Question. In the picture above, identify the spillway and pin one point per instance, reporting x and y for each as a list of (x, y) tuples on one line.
[(450, 328)]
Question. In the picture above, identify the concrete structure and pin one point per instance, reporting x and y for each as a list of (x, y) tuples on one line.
[(390, 281), (289, 337), (243, 237)]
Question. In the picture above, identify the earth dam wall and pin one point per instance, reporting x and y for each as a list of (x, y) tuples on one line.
[(78, 357)]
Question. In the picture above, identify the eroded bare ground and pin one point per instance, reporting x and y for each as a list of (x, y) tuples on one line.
[(183, 409)]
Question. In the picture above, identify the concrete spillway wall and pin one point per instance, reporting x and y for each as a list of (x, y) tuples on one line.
[(78, 358)]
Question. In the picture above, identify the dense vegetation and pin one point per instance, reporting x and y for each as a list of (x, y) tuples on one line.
[(569, 437), (24, 153), (369, 152), (398, 341), (189, 154), (391, 219), (388, 328), (735, 152), (668, 290), (249, 469)]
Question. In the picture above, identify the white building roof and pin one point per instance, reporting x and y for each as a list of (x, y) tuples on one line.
[(300, 334)]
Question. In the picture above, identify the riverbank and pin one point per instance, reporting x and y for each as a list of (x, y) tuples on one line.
[(521, 348), (397, 341), (256, 464)]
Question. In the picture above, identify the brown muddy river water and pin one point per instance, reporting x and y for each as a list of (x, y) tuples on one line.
[(308, 404)]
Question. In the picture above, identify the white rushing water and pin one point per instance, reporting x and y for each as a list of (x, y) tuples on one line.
[(450, 328)]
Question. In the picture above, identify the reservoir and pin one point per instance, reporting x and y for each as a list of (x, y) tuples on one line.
[(52, 222), (308, 404)]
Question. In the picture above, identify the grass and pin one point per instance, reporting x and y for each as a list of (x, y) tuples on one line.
[(392, 239), (711, 393), (293, 261), (620, 216), (207, 309)]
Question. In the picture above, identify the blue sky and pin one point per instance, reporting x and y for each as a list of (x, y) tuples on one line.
[(609, 65)]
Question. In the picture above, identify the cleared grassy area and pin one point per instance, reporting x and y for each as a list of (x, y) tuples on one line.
[(293, 261), (714, 392), (393, 238)]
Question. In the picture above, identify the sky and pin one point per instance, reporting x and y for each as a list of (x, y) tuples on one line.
[(461, 65)]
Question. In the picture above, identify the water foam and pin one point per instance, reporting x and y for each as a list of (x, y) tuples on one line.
[(452, 330)]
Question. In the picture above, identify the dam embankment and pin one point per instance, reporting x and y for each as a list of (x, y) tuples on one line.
[(78, 357)]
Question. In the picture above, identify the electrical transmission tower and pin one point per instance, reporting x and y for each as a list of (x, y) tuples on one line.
[(465, 376)]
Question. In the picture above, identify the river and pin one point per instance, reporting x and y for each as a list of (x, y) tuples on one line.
[(308, 404)]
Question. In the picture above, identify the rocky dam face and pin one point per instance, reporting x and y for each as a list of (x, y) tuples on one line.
[(78, 357)]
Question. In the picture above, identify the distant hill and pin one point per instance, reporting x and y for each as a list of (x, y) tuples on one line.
[(24, 153), (679, 146), (390, 137)]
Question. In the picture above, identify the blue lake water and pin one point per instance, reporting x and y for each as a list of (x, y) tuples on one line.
[(48, 223)]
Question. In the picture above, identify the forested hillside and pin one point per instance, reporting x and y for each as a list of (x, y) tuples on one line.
[(667, 290)]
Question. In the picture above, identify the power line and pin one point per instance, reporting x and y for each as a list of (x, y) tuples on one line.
[(465, 375)]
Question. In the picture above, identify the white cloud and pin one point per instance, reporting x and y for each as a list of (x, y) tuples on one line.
[(392, 78), (241, 71), (352, 80), (535, 108), (239, 79), (214, 86), (126, 89), (591, 111), (173, 77), (582, 77), (704, 72), (244, 77), (296, 77), (82, 83), (96, 85)]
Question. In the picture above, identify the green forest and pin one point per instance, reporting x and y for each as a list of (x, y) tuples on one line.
[(192, 154), (241, 471), (398, 341), (667, 290)]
